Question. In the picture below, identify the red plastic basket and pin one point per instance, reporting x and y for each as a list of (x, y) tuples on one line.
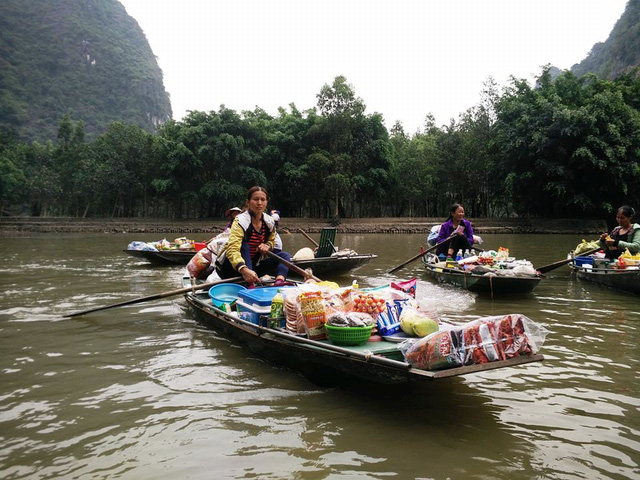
[(199, 245)]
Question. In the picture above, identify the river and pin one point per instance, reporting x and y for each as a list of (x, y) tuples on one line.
[(145, 392)]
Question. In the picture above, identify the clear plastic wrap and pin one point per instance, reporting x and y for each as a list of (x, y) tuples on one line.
[(201, 264), (479, 341)]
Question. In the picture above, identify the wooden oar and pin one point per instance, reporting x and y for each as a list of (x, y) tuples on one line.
[(157, 296), (553, 266), (422, 254), (309, 238), (293, 266)]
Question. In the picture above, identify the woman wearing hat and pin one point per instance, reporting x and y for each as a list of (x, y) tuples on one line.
[(253, 233), (231, 214)]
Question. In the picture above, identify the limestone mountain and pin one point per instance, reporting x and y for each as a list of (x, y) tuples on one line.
[(620, 52), (87, 58)]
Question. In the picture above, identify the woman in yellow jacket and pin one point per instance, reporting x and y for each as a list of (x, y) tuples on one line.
[(252, 234)]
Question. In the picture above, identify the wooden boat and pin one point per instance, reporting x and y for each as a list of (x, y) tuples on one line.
[(320, 266), (163, 257), (627, 280), (493, 284), (320, 360)]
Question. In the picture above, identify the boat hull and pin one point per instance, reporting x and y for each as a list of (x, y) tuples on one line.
[(624, 280), (319, 266), (493, 284), (334, 265), (168, 257), (323, 362)]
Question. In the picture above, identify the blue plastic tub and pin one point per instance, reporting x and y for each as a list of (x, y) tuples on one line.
[(225, 293)]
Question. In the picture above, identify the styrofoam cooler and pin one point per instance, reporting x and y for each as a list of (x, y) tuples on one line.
[(252, 313)]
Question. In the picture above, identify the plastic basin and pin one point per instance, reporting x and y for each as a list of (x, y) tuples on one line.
[(225, 293)]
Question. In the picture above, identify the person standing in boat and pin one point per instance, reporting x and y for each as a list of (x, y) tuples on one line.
[(625, 236), (252, 234), (456, 223)]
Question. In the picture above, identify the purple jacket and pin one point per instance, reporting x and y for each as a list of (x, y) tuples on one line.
[(447, 229)]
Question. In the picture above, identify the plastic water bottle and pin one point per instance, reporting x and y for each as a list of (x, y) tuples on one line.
[(459, 255), (466, 253), (277, 306)]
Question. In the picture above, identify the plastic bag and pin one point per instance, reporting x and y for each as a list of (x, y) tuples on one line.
[(584, 246), (202, 264), (480, 341), (293, 316), (408, 287)]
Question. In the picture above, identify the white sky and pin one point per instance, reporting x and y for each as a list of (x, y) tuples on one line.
[(404, 58)]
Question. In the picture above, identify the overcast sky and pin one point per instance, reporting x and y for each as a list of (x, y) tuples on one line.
[(404, 58)]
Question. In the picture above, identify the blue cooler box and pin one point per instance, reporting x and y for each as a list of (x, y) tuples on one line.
[(255, 302), (582, 261)]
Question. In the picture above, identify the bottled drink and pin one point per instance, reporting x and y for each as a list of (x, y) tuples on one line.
[(459, 255), (277, 306)]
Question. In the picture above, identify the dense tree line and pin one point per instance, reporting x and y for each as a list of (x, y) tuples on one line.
[(567, 147)]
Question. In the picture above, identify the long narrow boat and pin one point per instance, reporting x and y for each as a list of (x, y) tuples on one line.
[(322, 361), (493, 284), (627, 280), (163, 257), (326, 265)]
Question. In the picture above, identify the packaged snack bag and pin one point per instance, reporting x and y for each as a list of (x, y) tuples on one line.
[(409, 287), (480, 341), (313, 314), (293, 316)]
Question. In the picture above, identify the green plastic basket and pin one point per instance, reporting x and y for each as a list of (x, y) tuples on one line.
[(348, 335)]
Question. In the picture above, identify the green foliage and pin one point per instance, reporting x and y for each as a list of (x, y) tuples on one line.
[(568, 147), (620, 52)]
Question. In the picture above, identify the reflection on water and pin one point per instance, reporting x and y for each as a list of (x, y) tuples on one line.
[(146, 392)]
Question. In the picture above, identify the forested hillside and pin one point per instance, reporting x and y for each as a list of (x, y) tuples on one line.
[(87, 58), (620, 52), (565, 148)]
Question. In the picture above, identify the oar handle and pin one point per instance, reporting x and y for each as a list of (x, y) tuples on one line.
[(292, 266), (309, 238), (422, 254), (156, 296), (553, 266)]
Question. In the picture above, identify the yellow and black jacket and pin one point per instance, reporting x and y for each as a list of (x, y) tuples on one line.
[(241, 232)]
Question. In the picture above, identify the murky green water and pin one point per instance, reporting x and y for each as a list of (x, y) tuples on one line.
[(145, 392)]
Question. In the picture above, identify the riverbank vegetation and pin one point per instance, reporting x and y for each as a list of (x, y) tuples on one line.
[(566, 147)]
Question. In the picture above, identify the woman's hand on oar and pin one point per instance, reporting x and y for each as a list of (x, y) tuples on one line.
[(422, 254), (292, 266), (157, 296)]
